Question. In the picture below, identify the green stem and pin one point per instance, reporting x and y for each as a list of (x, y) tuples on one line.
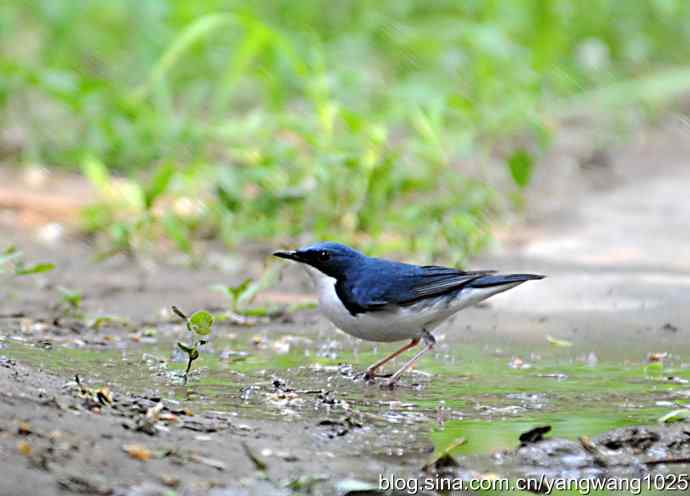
[(189, 366)]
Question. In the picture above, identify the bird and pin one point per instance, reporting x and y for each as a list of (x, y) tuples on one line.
[(383, 300)]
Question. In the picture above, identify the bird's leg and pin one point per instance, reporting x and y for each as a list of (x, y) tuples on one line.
[(371, 370), (429, 342)]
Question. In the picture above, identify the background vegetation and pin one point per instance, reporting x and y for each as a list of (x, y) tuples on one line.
[(365, 121)]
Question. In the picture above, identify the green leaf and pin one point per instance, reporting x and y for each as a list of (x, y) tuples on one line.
[(257, 312), (97, 174), (178, 232), (10, 253), (158, 185), (196, 31), (236, 292), (103, 320), (230, 201), (654, 369), (306, 305), (184, 347), (558, 342), (71, 297), (674, 416), (520, 164), (200, 323), (268, 279), (26, 270)]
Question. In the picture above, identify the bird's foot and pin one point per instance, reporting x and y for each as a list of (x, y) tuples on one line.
[(394, 384), (371, 375), (390, 384), (428, 338)]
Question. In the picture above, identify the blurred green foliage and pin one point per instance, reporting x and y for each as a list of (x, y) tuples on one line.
[(13, 259), (350, 120)]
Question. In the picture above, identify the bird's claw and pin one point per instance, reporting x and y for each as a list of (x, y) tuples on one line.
[(371, 376)]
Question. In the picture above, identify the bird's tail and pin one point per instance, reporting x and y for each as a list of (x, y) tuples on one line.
[(501, 280)]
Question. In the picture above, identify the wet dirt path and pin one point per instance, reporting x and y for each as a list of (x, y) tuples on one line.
[(281, 408)]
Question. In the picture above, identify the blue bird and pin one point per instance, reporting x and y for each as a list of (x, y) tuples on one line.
[(386, 301)]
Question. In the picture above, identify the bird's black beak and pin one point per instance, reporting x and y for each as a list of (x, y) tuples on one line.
[(290, 255)]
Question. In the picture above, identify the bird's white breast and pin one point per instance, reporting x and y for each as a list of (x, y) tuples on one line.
[(396, 324)]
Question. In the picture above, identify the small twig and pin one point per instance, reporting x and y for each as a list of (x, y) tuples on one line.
[(16, 315), (189, 366), (312, 391), (259, 464), (669, 461), (82, 389), (600, 457)]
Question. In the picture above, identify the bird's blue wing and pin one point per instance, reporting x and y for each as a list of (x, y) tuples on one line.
[(400, 284), (432, 280), (359, 298)]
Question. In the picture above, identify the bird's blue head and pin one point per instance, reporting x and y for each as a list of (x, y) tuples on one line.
[(333, 259)]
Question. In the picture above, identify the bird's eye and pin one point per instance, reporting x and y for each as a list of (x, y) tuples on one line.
[(324, 256)]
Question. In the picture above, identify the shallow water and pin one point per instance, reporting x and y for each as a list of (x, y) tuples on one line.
[(475, 391)]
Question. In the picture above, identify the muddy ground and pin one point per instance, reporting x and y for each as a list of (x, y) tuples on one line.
[(597, 350)]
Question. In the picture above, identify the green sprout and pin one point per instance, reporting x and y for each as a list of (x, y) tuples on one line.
[(199, 324), (243, 295), (13, 258), (237, 294), (70, 301), (127, 212), (675, 416)]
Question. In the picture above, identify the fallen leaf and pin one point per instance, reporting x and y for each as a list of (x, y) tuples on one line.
[(147, 422), (24, 428), (24, 448), (104, 396), (153, 413), (170, 480), (55, 435), (138, 452)]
